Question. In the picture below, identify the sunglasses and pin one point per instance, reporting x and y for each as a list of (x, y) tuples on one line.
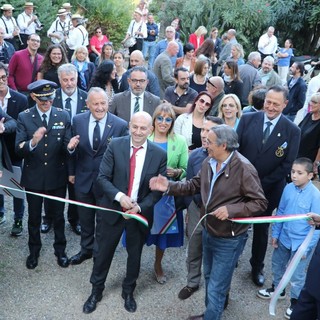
[(108, 43), (230, 105), (207, 104), (166, 120), (211, 84)]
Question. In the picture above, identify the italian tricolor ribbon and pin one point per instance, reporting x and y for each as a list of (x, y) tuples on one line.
[(135, 216)]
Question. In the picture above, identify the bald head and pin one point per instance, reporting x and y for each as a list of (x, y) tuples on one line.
[(140, 127), (215, 86), (136, 58), (172, 48)]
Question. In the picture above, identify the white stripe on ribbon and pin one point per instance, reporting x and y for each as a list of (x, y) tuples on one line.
[(135, 216)]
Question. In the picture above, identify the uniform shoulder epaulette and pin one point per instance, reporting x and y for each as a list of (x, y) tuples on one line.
[(59, 109), (27, 110)]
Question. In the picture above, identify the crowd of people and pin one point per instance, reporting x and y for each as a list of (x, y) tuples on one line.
[(184, 131)]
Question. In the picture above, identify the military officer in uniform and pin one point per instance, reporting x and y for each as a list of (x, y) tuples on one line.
[(43, 139)]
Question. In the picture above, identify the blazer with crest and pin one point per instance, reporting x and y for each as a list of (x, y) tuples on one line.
[(273, 160)]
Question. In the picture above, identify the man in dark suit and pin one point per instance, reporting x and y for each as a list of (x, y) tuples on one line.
[(72, 99), (125, 104), (87, 159), (126, 169), (43, 140), (297, 91), (270, 141), (13, 103)]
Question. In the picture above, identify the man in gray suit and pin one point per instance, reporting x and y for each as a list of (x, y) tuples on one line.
[(125, 104), (162, 67)]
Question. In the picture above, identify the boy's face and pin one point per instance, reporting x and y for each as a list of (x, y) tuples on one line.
[(299, 176)]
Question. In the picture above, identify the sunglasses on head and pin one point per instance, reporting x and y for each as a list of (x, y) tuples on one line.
[(211, 84), (166, 120)]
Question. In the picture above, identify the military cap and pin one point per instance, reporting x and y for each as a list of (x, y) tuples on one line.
[(43, 89)]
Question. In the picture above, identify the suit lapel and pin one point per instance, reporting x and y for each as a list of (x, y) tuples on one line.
[(257, 130), (36, 117)]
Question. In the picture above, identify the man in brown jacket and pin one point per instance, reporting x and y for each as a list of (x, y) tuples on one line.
[(230, 187)]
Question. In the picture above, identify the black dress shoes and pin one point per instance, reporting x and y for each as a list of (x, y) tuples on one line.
[(76, 228), (258, 278), (79, 258), (45, 227), (62, 260), (199, 317), (91, 304), (129, 303), (32, 261)]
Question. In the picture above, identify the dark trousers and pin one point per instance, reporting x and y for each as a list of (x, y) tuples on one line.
[(260, 230), (34, 221), (308, 307), (73, 216), (24, 38), (107, 239), (87, 219), (137, 46)]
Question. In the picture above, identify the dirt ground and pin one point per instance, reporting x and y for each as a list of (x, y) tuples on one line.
[(53, 293)]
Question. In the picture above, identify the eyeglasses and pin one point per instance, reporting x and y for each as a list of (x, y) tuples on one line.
[(230, 105), (211, 84), (135, 81), (207, 104), (4, 78), (166, 120), (98, 31)]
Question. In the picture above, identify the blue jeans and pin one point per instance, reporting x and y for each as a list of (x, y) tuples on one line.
[(280, 259), (148, 50), (220, 256), (18, 207)]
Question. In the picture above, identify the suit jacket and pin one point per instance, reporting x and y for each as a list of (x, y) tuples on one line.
[(121, 104), (114, 177), (45, 167), (10, 126), (16, 104), (81, 103), (85, 163), (313, 275), (296, 97), (163, 70), (274, 159)]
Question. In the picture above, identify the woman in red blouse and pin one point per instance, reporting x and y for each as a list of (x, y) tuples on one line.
[(96, 43)]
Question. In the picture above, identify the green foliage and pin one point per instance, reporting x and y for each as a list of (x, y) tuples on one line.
[(113, 16), (249, 18)]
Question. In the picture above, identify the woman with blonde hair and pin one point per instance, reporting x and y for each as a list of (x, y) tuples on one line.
[(80, 59), (197, 38), (230, 110), (237, 54)]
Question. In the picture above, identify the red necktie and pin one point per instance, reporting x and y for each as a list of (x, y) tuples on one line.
[(132, 169)]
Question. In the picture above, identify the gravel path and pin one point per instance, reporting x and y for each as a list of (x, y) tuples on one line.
[(53, 293)]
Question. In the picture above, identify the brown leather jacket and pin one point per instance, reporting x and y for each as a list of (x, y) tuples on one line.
[(238, 188)]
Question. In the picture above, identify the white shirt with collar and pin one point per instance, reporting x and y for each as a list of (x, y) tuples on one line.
[(92, 124), (133, 101), (74, 102), (8, 25), (23, 20), (273, 121), (4, 103), (140, 157)]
